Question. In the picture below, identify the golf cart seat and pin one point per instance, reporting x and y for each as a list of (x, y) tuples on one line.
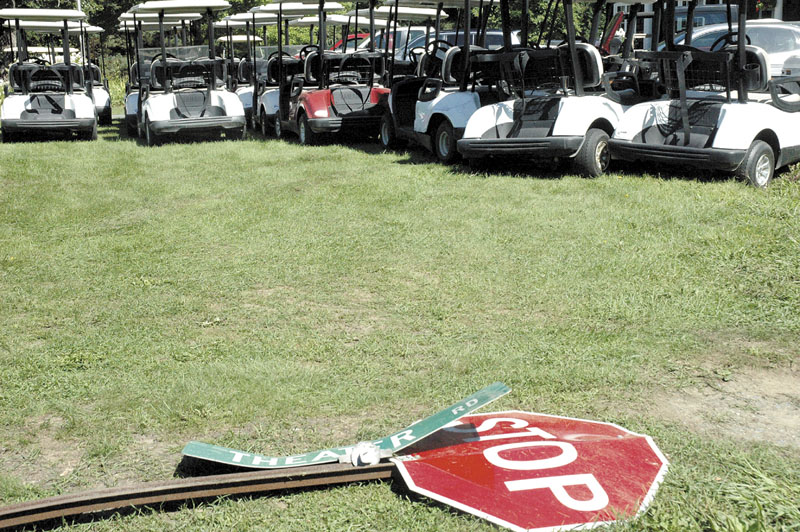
[(453, 65), (244, 71), (291, 68), (310, 66), (135, 72), (94, 72), (591, 63), (756, 68)]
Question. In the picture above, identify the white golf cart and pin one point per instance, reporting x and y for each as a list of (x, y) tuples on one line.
[(431, 107), (557, 109), (95, 85), (246, 68), (46, 97), (134, 25), (192, 96), (721, 111), (282, 67), (94, 76)]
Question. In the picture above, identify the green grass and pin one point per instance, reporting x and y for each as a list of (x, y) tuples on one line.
[(276, 298)]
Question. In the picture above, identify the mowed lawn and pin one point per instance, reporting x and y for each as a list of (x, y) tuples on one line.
[(280, 299)]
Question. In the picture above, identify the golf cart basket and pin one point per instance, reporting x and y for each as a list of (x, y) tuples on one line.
[(33, 77), (524, 70), (694, 70), (188, 74), (357, 68)]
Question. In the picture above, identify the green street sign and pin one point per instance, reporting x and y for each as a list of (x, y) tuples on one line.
[(388, 445)]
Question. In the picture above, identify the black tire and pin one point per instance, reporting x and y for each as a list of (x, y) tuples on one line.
[(306, 135), (277, 127), (151, 137), (387, 134), (8, 137), (593, 157), (130, 127), (236, 134), (89, 135), (758, 166), (444, 143), (105, 118), (266, 127)]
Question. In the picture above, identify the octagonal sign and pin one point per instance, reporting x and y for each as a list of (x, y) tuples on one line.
[(527, 471)]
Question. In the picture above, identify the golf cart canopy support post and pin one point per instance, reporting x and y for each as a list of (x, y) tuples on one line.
[(633, 11), (690, 26), (597, 12)]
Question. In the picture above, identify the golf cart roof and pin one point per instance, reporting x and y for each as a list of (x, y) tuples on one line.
[(40, 50), (149, 26), (296, 8), (180, 6), (623, 2), (409, 13), (260, 18), (239, 38), (153, 17), (52, 15), (228, 23), (337, 20), (433, 3), (363, 16)]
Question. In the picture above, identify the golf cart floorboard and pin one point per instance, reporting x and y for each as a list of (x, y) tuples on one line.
[(717, 158), (197, 124), (72, 124), (535, 147)]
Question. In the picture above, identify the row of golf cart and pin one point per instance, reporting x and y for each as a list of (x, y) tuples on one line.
[(525, 93)]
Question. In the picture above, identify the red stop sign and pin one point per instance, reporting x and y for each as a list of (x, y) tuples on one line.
[(534, 471)]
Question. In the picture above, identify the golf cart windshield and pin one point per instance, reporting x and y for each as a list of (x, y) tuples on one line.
[(187, 66), (184, 53)]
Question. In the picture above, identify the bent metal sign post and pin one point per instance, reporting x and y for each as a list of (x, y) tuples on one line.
[(387, 446)]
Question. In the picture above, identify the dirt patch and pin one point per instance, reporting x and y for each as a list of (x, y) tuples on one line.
[(41, 458), (754, 404)]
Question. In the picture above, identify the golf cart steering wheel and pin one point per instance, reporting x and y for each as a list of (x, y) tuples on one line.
[(727, 39), (581, 38), (273, 54), (433, 46), (414, 54), (40, 61), (305, 50)]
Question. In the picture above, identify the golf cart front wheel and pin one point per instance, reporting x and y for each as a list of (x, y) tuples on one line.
[(150, 136), (90, 134), (277, 127), (388, 135), (444, 143), (266, 130), (305, 133), (758, 166), (594, 156), (236, 134), (8, 136), (105, 118)]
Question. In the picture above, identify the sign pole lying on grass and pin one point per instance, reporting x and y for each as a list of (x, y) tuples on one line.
[(519, 470), (385, 446)]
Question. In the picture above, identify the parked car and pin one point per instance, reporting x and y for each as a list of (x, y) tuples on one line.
[(781, 40), (494, 39)]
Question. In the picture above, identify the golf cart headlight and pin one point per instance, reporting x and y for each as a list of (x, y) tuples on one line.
[(321, 113)]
